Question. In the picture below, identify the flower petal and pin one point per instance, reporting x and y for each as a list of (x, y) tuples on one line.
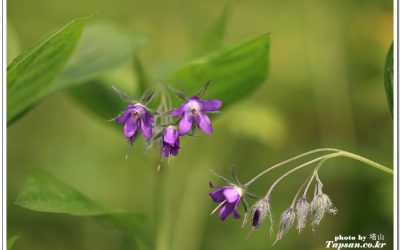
[(203, 122), (178, 111), (124, 116), (210, 105), (130, 127), (185, 124), (146, 122), (174, 150), (217, 195), (171, 136), (166, 149), (226, 210), (231, 195)]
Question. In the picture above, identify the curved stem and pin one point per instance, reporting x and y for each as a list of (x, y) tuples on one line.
[(287, 161), (312, 177), (326, 157), (299, 190)]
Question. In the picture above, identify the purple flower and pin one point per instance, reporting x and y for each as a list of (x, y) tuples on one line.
[(170, 141), (193, 109), (229, 198), (136, 117)]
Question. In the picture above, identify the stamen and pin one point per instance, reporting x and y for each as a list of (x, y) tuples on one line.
[(220, 205), (193, 111)]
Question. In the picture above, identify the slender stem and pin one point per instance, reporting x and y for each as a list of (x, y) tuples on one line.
[(299, 167), (287, 161), (299, 190), (367, 161), (312, 177), (326, 157)]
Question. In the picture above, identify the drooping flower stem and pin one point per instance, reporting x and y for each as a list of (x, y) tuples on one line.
[(288, 161), (313, 176), (329, 156), (299, 190)]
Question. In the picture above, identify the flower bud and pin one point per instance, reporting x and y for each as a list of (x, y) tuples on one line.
[(320, 205), (287, 220), (302, 211), (258, 213)]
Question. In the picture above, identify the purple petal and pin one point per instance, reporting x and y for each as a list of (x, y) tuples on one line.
[(236, 215), (185, 124), (203, 122), (130, 127), (231, 195), (212, 184), (146, 129), (210, 105), (166, 149), (178, 111), (170, 136), (174, 150), (217, 195), (226, 210), (122, 118), (146, 123)]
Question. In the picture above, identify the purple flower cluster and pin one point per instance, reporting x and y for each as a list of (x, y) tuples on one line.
[(137, 117)]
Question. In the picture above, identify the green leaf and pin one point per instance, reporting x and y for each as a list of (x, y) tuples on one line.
[(45, 193), (42, 192), (388, 78), (101, 48), (30, 74), (11, 241), (234, 72), (214, 37)]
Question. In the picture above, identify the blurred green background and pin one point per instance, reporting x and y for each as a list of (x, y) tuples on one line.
[(325, 88)]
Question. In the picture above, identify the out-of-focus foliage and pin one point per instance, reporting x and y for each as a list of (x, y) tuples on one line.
[(389, 78), (11, 241), (30, 74), (235, 72), (324, 89), (45, 193)]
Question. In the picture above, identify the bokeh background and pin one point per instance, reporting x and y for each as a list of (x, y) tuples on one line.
[(325, 88)]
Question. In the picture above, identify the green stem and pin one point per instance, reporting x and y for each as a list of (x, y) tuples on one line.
[(288, 161), (329, 156)]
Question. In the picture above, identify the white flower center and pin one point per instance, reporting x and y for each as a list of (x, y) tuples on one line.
[(192, 106)]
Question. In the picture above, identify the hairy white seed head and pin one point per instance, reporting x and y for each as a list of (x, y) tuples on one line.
[(320, 205), (287, 220), (302, 211)]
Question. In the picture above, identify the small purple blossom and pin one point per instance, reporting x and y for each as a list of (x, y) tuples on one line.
[(170, 141), (194, 109), (136, 117), (229, 198)]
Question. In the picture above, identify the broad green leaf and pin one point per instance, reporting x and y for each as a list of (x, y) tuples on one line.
[(13, 46), (101, 48), (389, 78), (42, 192), (214, 37), (234, 72), (45, 193), (30, 74), (11, 241)]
